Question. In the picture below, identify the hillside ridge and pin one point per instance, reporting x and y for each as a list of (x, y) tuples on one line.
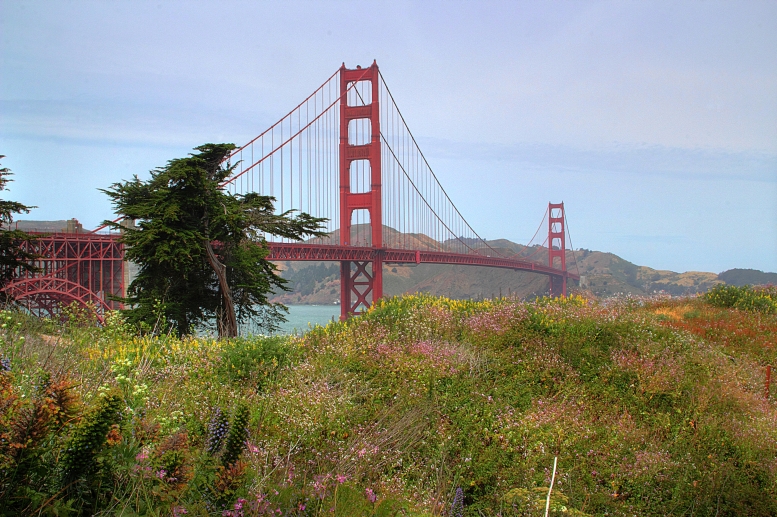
[(603, 274)]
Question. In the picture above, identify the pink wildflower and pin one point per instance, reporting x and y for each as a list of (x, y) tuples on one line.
[(371, 497), (319, 486)]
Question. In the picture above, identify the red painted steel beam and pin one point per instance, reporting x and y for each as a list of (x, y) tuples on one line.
[(58, 291), (81, 267), (557, 246), (67, 261), (317, 252), (356, 284)]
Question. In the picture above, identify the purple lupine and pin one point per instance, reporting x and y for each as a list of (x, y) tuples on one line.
[(5, 364), (457, 507), (217, 431)]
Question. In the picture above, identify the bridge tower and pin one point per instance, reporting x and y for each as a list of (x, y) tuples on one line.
[(361, 282), (557, 248)]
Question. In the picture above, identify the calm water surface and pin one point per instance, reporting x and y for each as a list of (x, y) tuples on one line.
[(302, 317)]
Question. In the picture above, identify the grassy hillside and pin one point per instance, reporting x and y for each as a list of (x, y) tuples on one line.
[(423, 406), (607, 275)]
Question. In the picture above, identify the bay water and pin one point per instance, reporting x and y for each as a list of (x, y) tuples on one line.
[(303, 317)]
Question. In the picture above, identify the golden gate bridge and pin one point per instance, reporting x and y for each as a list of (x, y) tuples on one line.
[(345, 154)]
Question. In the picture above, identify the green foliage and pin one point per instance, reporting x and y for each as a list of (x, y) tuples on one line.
[(522, 501), (14, 256), (257, 359), (79, 315), (28, 425), (724, 295), (80, 460), (201, 250), (746, 298), (236, 437), (652, 406), (305, 279), (11, 335)]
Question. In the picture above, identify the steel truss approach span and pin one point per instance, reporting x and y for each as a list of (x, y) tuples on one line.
[(345, 154), (85, 268)]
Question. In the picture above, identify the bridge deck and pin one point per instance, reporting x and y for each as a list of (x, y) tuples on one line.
[(317, 252)]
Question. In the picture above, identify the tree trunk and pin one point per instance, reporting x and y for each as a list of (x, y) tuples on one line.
[(229, 327)]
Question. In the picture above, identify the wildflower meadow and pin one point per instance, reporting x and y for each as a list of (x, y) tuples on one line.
[(422, 406)]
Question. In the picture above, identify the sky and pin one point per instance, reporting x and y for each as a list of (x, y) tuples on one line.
[(654, 122)]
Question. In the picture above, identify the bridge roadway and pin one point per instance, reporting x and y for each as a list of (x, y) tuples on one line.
[(318, 252), (85, 267)]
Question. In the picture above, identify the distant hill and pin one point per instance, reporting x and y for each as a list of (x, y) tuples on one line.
[(602, 274), (606, 274), (742, 277)]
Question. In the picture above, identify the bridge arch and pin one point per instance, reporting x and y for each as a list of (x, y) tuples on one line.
[(48, 294)]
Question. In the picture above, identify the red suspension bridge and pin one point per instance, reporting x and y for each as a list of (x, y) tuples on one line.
[(346, 154)]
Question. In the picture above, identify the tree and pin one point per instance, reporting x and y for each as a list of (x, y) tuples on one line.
[(14, 255), (200, 250)]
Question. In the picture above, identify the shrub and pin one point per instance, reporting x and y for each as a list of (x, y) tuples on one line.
[(28, 436), (79, 461), (724, 296), (236, 436), (257, 359), (392, 411), (744, 298)]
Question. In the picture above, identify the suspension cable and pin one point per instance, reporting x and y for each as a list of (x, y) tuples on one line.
[(423, 198), (569, 234), (233, 153), (542, 222), (292, 137), (430, 168)]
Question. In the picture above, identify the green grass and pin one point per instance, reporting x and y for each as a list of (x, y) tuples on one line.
[(652, 407)]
